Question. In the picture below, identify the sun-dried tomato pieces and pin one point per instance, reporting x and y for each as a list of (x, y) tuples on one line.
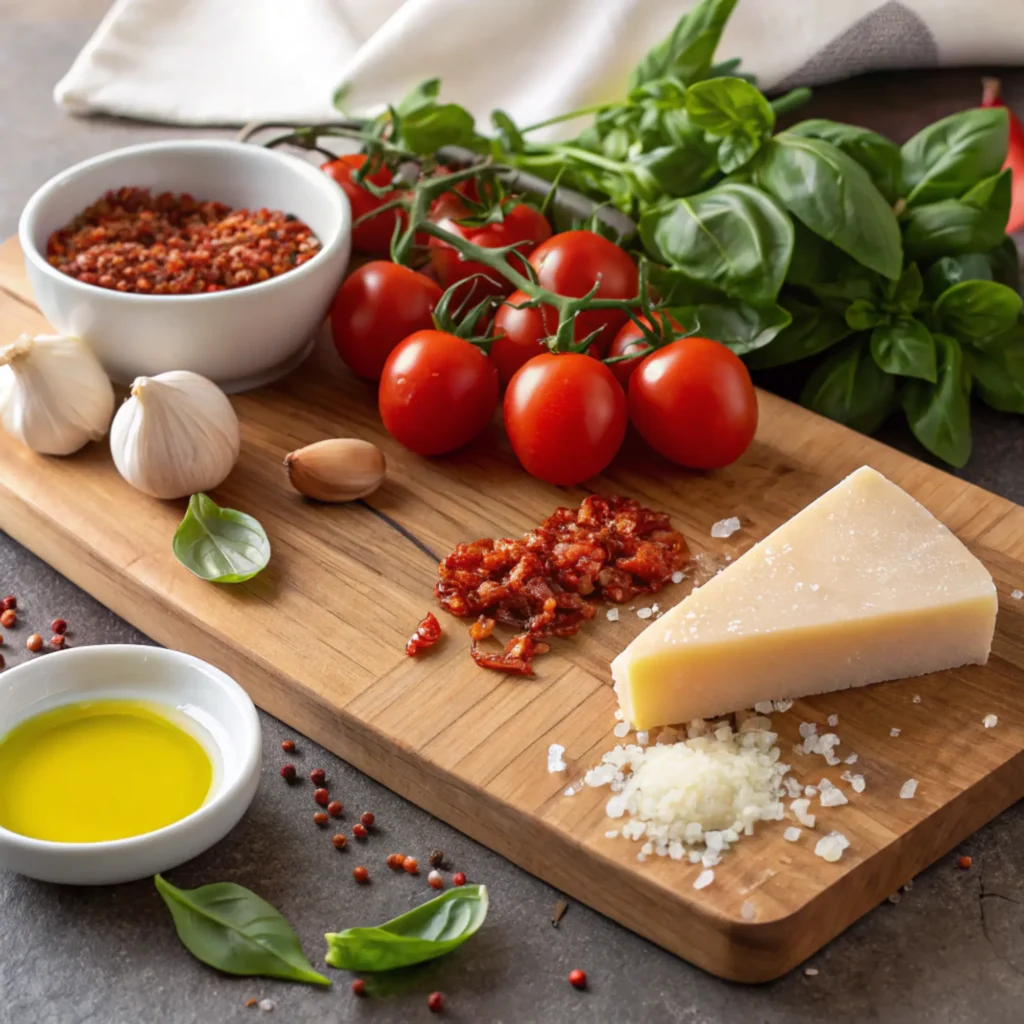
[(428, 632), (609, 548)]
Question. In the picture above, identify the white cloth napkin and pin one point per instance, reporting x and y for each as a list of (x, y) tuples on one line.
[(232, 61)]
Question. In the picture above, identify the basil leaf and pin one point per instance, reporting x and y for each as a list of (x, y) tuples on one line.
[(940, 414), (220, 544), (688, 51), (431, 930), (978, 309), (951, 270), (973, 223), (905, 348), (676, 170), (232, 929), (904, 295), (734, 110), (998, 370), (510, 136), (423, 95), (875, 153), (863, 314), (851, 388), (812, 329), (943, 160), (833, 195), (740, 327), (732, 237), (1005, 262), (427, 129)]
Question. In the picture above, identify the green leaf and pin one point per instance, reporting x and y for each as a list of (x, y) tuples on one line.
[(1005, 262), (851, 388), (951, 270), (431, 930), (833, 195), (945, 159), (422, 96), (427, 129), (509, 134), (904, 295), (734, 110), (688, 51), (733, 238), (998, 370), (973, 223), (741, 327), (676, 170), (812, 329), (235, 931), (977, 309), (875, 153), (863, 314), (220, 544), (940, 414), (905, 348)]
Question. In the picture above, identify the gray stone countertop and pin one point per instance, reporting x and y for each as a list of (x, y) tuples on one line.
[(952, 950)]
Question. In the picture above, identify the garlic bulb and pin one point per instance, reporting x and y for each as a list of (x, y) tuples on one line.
[(176, 435), (54, 395)]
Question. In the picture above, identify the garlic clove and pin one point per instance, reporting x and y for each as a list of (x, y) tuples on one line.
[(339, 469)]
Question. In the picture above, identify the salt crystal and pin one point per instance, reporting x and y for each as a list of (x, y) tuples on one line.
[(799, 809), (833, 720), (678, 577), (621, 729), (810, 791), (793, 787), (555, 762), (808, 729), (916, 699), (266, 1005), (909, 886), (573, 789), (620, 714), (990, 721), (748, 911), (1017, 594), (851, 759), (894, 897), (908, 789), (814, 586), (783, 705), (792, 834), (613, 614), (644, 613), (612, 833), (894, 731), (833, 797), (764, 707), (704, 879), (811, 972), (643, 737), (725, 528), (831, 847)]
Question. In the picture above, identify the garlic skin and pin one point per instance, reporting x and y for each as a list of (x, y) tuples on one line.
[(338, 469), (54, 395), (175, 436)]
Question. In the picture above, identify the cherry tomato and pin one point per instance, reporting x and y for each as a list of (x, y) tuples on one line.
[(522, 224), (632, 339), (372, 237), (521, 333), (573, 262), (437, 392), (565, 416), (693, 402), (379, 305)]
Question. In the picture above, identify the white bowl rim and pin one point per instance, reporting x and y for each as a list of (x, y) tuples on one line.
[(240, 772), (30, 214)]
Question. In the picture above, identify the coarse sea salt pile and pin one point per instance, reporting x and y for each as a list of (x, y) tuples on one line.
[(694, 798)]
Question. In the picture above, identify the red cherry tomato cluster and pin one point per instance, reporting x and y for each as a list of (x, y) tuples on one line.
[(565, 413)]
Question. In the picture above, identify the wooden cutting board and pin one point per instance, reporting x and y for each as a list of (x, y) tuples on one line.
[(318, 641)]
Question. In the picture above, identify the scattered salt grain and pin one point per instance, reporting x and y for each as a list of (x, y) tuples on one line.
[(725, 528), (620, 730), (894, 731), (764, 707), (831, 847), (833, 797), (704, 879), (856, 781), (909, 886), (851, 759), (814, 587), (748, 911), (266, 1005), (811, 972), (810, 791), (620, 714), (799, 809), (833, 720), (894, 897), (808, 729), (613, 614), (792, 834), (555, 762), (644, 613), (783, 705), (908, 789), (678, 577), (643, 737), (612, 833), (573, 789), (916, 699), (1017, 594), (990, 721), (793, 787)]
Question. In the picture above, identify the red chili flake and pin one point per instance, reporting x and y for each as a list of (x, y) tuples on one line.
[(322, 797), (434, 880), (359, 831), (428, 632), (252, 1002), (8, 603), (965, 862), (459, 878), (132, 241), (360, 874), (435, 1002), (395, 861), (340, 841), (367, 818), (57, 640), (59, 626), (8, 618), (411, 865), (287, 770), (335, 808), (539, 585), (287, 746), (319, 818), (358, 987), (318, 776), (34, 643), (578, 978)]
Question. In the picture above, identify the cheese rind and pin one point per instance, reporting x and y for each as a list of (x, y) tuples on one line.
[(862, 586)]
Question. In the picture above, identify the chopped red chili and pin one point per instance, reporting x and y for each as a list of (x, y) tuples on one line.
[(610, 548), (428, 632), (169, 244)]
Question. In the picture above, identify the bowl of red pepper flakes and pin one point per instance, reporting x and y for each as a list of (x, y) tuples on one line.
[(210, 256)]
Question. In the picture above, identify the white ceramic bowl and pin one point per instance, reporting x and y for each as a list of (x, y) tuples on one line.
[(239, 338), (222, 717)]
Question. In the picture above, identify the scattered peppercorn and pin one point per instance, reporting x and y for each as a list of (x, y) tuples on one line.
[(317, 776), (287, 770), (434, 880), (360, 874), (578, 978), (34, 643), (358, 987), (287, 746), (340, 841), (59, 626), (334, 808), (395, 861), (965, 862), (412, 865), (458, 878), (8, 603), (320, 818), (367, 818), (436, 858), (2, 662), (8, 617), (322, 797), (57, 640), (359, 831), (435, 1002)]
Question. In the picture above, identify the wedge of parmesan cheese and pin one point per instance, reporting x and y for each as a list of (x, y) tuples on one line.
[(862, 586)]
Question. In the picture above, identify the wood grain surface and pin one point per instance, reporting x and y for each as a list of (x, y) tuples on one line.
[(318, 641)]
